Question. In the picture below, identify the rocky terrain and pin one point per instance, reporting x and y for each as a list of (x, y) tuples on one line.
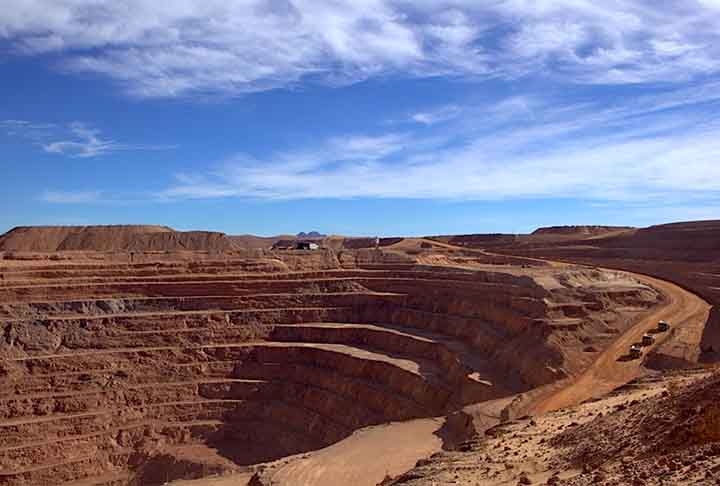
[(687, 254), (656, 441), (344, 365), (660, 429)]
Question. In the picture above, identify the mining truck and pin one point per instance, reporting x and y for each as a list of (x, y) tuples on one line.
[(648, 340), (663, 326), (635, 351)]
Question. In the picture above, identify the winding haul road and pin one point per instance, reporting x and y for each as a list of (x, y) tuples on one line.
[(687, 313), (681, 308)]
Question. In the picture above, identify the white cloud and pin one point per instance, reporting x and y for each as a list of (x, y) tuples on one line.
[(86, 143), (76, 139), (654, 148), (69, 197), (354, 147), (438, 115), (27, 129), (243, 172), (230, 47)]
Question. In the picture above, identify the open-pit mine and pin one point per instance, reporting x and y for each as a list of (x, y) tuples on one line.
[(144, 356)]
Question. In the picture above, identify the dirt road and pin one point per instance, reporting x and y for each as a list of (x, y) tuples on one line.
[(682, 309), (366, 457), (686, 311)]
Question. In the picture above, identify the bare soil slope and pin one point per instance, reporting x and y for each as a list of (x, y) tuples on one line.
[(672, 435), (658, 430), (581, 231), (111, 238), (52, 238)]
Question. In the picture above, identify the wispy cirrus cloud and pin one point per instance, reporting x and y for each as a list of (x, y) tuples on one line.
[(75, 139), (437, 115), (242, 171), (27, 129), (153, 49), (657, 147), (71, 197)]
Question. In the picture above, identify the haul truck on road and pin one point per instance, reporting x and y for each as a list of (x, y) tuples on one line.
[(635, 351)]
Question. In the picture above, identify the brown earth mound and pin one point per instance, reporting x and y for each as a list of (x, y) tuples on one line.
[(111, 238), (52, 238), (580, 231), (178, 241), (496, 240)]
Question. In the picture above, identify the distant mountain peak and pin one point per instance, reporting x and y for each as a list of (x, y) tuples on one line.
[(311, 234)]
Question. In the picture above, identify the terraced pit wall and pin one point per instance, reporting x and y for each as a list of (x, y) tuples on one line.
[(107, 373)]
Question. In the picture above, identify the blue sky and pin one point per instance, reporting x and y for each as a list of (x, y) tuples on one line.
[(359, 117)]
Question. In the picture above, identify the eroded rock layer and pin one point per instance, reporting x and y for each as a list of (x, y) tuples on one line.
[(109, 373)]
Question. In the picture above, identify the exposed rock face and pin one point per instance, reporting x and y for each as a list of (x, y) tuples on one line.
[(108, 372)]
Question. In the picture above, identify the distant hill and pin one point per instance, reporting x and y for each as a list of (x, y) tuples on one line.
[(695, 240), (311, 235), (577, 231), (111, 238), (489, 240)]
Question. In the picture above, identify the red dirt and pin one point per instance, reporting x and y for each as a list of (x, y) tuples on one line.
[(653, 431), (143, 373), (52, 238), (687, 254), (581, 231), (111, 239), (687, 418)]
